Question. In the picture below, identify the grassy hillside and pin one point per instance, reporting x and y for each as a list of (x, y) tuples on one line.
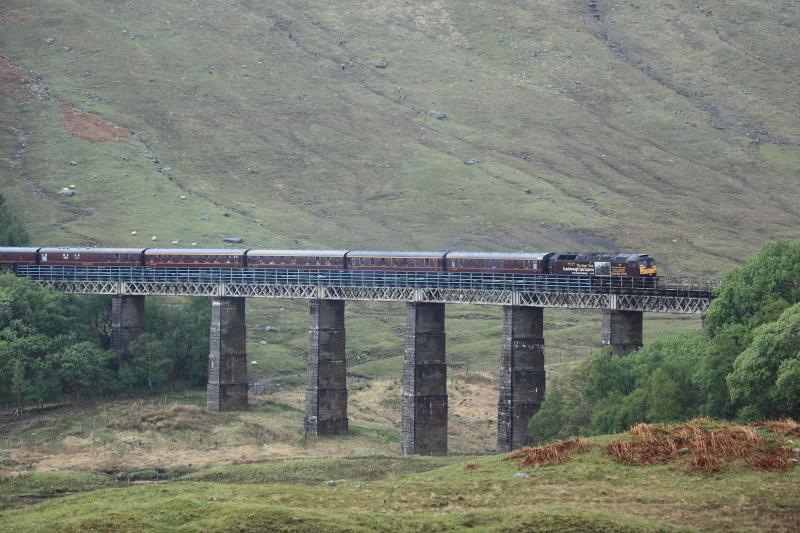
[(588, 493), (665, 127)]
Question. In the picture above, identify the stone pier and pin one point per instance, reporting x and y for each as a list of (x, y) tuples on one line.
[(227, 358), (522, 376), (424, 410), (622, 330), (326, 374), (127, 322)]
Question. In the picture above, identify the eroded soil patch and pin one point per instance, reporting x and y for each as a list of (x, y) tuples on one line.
[(91, 127)]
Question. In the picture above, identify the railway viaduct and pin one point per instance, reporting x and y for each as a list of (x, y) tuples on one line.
[(424, 403)]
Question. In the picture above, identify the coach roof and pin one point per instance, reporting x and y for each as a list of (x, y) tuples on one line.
[(193, 251), (298, 253), (496, 255), (358, 253), (87, 250), (17, 250)]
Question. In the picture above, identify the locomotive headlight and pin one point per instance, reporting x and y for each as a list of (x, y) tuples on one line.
[(646, 270)]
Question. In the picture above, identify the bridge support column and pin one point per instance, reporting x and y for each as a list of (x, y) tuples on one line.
[(127, 322), (424, 411), (326, 371), (227, 359), (522, 376), (622, 330)]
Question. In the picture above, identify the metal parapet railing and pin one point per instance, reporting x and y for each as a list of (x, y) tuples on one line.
[(625, 293)]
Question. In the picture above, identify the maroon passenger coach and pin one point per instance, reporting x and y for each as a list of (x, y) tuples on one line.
[(91, 256), (194, 257), (303, 259)]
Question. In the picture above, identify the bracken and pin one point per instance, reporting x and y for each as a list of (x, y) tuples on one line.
[(557, 452), (708, 446)]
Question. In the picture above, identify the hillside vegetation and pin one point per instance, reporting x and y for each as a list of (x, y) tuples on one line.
[(666, 127), (589, 492)]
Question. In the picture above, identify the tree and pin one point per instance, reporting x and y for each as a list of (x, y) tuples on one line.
[(759, 291), (765, 377), (82, 366), (19, 385)]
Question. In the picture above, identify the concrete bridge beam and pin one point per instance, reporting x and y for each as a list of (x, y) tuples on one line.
[(522, 375), (127, 322), (227, 358), (622, 330), (424, 410), (326, 370)]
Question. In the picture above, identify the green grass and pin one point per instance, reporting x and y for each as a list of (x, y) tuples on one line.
[(28, 488), (590, 492), (321, 470)]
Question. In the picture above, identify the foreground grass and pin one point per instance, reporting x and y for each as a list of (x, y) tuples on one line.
[(589, 492)]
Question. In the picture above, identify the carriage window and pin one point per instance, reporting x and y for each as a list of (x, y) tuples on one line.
[(602, 268)]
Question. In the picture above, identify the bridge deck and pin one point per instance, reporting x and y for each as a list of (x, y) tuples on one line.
[(440, 287)]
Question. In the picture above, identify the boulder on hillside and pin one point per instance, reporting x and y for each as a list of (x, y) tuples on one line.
[(233, 239), (66, 192)]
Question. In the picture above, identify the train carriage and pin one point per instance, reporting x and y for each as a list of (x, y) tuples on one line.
[(17, 256), (396, 261), (194, 257), (297, 259), (129, 257), (496, 262)]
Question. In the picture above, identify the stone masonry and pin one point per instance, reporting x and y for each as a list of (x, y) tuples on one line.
[(326, 370), (522, 375), (127, 322), (424, 410), (622, 330), (227, 359)]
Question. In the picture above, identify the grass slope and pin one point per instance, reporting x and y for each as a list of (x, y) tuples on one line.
[(665, 127), (590, 492)]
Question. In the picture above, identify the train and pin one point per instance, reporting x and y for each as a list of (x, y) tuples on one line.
[(614, 265)]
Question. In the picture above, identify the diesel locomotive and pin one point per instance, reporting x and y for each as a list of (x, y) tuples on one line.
[(607, 266)]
